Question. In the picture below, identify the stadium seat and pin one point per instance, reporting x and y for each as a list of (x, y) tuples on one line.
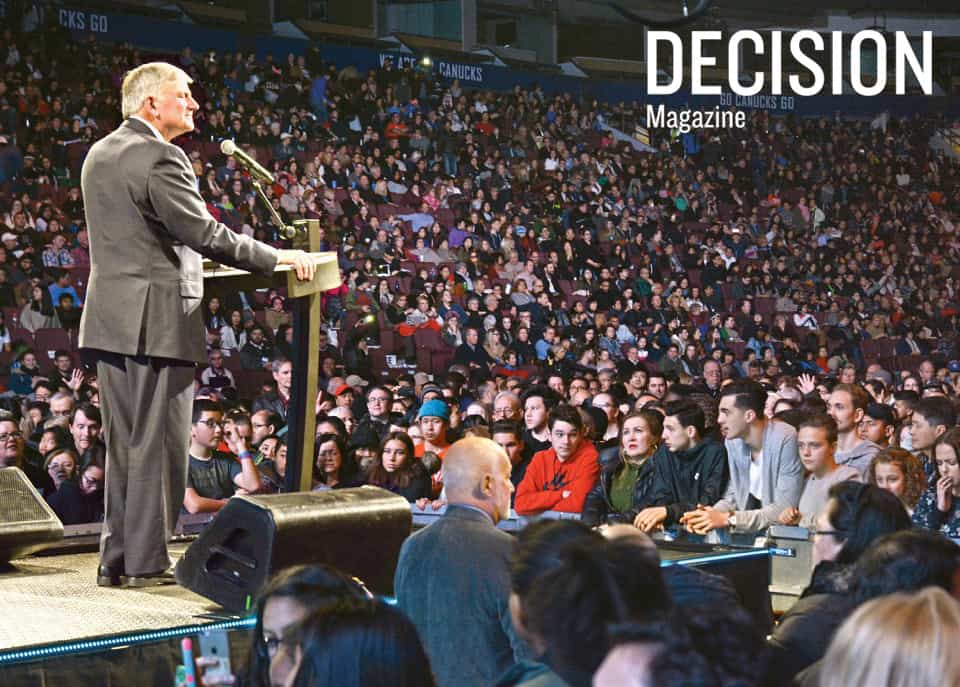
[(440, 361), (429, 340), (249, 383), (378, 362), (232, 362), (21, 334), (47, 341)]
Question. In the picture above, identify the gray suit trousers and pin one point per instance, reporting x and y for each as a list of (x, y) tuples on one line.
[(146, 405)]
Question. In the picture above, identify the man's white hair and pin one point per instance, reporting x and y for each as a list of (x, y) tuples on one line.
[(146, 81)]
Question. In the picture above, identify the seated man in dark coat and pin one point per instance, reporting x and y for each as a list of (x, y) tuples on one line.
[(277, 401), (257, 353), (688, 470), (471, 354)]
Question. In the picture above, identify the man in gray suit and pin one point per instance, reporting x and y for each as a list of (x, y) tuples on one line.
[(142, 324), (453, 577), (766, 475)]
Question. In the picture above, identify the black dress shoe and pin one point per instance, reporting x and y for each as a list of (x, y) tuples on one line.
[(108, 577), (151, 579)]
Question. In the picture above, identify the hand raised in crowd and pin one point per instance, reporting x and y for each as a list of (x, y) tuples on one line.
[(650, 519), (323, 404), (944, 494), (789, 516), (807, 384), (76, 380)]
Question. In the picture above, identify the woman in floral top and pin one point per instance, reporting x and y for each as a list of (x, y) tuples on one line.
[(939, 507)]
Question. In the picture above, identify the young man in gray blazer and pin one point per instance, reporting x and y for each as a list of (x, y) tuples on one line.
[(766, 475), (142, 323)]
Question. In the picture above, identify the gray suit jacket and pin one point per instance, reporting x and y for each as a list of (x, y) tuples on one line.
[(453, 582), (148, 229), (782, 477)]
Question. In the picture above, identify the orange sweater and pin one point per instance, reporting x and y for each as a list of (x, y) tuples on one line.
[(547, 478)]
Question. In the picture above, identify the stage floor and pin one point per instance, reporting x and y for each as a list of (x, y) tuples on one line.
[(48, 599)]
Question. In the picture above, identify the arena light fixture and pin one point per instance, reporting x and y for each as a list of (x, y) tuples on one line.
[(669, 14)]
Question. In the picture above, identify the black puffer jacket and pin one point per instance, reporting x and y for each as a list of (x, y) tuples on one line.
[(685, 479), (597, 509)]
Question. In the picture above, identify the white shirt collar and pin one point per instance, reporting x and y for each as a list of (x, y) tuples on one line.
[(151, 126)]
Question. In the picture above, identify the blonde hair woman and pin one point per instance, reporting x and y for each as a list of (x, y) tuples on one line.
[(900, 640), (493, 345)]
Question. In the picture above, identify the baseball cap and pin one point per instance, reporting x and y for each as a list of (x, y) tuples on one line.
[(342, 389), (8, 236), (434, 408), (355, 380)]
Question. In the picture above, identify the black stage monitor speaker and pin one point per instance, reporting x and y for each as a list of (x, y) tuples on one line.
[(358, 531), (27, 522)]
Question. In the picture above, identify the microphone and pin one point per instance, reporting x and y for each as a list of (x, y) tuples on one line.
[(230, 148)]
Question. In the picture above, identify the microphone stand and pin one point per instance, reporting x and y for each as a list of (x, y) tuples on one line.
[(287, 232)]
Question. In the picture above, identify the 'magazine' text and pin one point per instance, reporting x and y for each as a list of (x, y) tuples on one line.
[(659, 117)]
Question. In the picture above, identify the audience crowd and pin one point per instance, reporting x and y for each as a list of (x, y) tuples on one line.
[(704, 338)]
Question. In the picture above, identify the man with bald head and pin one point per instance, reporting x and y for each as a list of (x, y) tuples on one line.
[(452, 577)]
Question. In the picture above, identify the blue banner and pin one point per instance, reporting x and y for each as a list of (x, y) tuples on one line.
[(145, 32), (151, 33)]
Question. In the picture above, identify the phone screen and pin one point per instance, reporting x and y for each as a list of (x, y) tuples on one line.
[(216, 645)]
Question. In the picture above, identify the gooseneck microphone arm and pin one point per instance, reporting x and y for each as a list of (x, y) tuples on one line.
[(258, 175), (230, 149), (286, 231)]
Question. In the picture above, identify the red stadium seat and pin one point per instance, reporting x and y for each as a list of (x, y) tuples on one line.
[(21, 334), (440, 361), (50, 340), (429, 339), (250, 381), (232, 363), (378, 362)]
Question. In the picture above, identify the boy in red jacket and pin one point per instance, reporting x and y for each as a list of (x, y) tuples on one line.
[(560, 477)]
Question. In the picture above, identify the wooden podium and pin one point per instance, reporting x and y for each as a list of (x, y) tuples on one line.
[(305, 297)]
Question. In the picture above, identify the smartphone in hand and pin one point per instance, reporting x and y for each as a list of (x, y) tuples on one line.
[(215, 644)]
